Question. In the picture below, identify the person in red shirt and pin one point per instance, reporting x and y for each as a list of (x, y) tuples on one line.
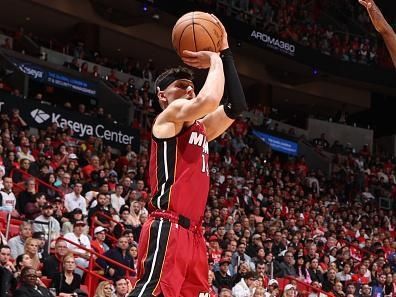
[(98, 244), (214, 249), (360, 278), (92, 166)]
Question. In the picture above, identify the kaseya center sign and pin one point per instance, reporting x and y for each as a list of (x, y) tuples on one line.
[(42, 115)]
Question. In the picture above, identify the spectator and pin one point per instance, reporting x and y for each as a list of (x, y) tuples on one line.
[(273, 288), (121, 287), (314, 271), (54, 263), (321, 142), (104, 289), (25, 153), (365, 291), (67, 281), (46, 223), (225, 293), (329, 280), (65, 185), (360, 277), (7, 197), (240, 256), (17, 243), (302, 271), (289, 291), (31, 249), (34, 209), (7, 270), (278, 246), (26, 196), (124, 223), (74, 200), (338, 289), (378, 288), (94, 219), (222, 278), (42, 245), (79, 240), (93, 166), (133, 251), (259, 292), (117, 201), (286, 267), (119, 254), (390, 285), (70, 218), (345, 275), (29, 287), (246, 286), (22, 261), (131, 238), (98, 244)]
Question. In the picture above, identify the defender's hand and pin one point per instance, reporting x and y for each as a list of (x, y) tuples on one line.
[(378, 20)]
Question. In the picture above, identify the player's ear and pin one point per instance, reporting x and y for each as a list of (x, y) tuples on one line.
[(163, 101)]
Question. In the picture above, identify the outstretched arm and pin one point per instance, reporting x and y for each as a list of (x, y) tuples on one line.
[(184, 110), (235, 103), (382, 26)]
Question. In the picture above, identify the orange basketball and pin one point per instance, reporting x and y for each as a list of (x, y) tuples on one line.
[(197, 31)]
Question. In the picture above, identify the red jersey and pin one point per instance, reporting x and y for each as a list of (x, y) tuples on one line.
[(179, 174)]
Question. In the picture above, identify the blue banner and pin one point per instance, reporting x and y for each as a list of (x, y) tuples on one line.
[(55, 78), (278, 144)]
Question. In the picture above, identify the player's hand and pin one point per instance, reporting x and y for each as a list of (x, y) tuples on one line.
[(378, 20), (224, 42), (200, 60)]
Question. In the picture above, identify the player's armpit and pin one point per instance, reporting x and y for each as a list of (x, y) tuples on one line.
[(216, 123)]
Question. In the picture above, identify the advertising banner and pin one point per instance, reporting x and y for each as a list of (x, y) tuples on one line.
[(42, 115), (55, 78), (278, 144), (273, 42)]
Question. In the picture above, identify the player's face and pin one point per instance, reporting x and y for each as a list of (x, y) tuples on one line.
[(182, 88)]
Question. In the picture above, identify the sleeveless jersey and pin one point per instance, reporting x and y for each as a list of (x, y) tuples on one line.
[(179, 174)]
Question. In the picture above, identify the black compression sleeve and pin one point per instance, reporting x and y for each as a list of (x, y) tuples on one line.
[(235, 102)]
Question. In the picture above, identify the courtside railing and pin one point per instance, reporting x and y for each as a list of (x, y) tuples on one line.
[(20, 185), (92, 276)]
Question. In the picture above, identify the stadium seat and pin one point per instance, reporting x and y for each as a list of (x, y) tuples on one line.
[(84, 288), (46, 281), (3, 217), (14, 231)]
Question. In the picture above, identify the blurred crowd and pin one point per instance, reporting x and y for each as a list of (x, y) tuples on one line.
[(273, 226), (340, 29), (268, 217)]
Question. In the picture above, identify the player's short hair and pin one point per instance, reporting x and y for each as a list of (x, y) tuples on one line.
[(170, 75)]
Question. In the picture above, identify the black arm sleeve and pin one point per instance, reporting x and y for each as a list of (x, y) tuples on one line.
[(235, 102)]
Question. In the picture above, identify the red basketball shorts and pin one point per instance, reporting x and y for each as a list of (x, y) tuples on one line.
[(172, 261)]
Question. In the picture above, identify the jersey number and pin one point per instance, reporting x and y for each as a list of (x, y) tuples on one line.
[(205, 165)]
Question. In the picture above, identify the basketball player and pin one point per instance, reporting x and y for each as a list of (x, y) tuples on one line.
[(172, 259), (382, 26)]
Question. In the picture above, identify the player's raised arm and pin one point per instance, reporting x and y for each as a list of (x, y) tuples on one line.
[(207, 100), (234, 103), (382, 26)]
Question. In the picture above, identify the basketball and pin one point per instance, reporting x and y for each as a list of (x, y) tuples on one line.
[(197, 31)]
